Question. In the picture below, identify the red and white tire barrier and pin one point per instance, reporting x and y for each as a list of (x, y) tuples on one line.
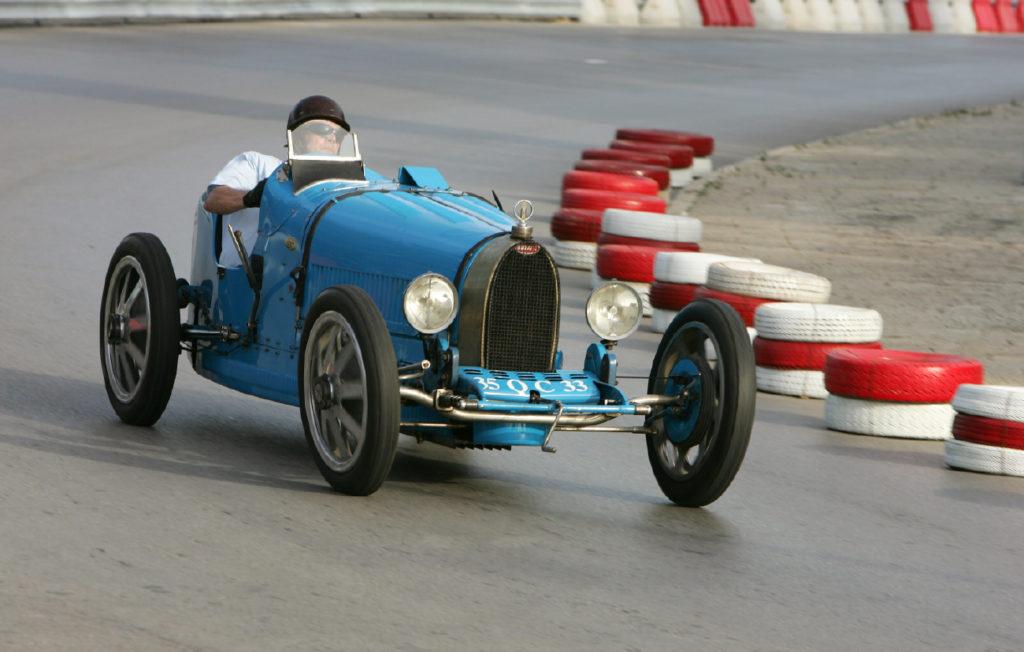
[(656, 173), (677, 276), (680, 157), (609, 182), (703, 146), (591, 199), (895, 393), (818, 322), (657, 227), (574, 254), (644, 158), (768, 282), (794, 339), (988, 430), (578, 224), (743, 304), (575, 231)]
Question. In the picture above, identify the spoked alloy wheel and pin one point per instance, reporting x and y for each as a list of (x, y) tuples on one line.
[(139, 329), (699, 447), (348, 390)]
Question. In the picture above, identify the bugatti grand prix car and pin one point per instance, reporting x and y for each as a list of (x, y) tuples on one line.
[(384, 306)]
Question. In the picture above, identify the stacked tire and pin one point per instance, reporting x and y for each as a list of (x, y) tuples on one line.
[(585, 196), (747, 285), (988, 430), (794, 339), (677, 277), (701, 148), (630, 242), (889, 393)]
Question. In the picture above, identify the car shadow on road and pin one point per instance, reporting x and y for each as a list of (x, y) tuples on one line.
[(72, 417)]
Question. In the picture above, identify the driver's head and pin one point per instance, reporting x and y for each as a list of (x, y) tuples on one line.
[(318, 125)]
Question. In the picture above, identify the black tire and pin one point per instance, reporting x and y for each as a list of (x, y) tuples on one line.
[(697, 451), (348, 390), (139, 329)]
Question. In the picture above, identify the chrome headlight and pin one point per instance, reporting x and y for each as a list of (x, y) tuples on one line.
[(614, 311), (430, 303)]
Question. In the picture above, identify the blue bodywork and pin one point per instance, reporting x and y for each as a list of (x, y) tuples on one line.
[(378, 234)]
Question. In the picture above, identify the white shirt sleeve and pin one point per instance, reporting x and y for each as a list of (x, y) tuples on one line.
[(242, 173)]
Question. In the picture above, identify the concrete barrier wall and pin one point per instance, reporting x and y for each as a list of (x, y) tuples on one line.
[(29, 12)]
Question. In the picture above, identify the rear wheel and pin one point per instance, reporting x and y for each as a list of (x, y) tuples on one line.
[(698, 447), (348, 390), (139, 329)]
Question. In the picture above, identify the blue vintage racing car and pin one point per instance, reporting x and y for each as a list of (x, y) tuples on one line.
[(384, 306)]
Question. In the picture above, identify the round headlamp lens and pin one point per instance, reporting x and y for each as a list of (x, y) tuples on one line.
[(614, 311), (430, 303)]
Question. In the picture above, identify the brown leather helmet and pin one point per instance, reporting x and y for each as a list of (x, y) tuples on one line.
[(316, 107)]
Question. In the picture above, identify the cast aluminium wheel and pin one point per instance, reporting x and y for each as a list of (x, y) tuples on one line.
[(697, 449), (139, 328), (348, 390)]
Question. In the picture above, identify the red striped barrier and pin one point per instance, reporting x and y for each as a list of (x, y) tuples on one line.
[(672, 296), (781, 354), (1005, 17), (985, 15), (987, 431), (714, 13), (920, 17), (740, 14)]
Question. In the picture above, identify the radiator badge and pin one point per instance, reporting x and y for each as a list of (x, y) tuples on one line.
[(527, 248)]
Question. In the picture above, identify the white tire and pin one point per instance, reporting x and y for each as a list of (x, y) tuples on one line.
[(574, 254), (791, 382), (689, 266), (993, 401), (768, 282), (818, 322), (651, 226), (661, 318), (702, 166), (889, 418), (986, 459), (680, 177)]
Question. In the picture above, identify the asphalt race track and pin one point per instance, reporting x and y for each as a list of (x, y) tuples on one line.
[(214, 531)]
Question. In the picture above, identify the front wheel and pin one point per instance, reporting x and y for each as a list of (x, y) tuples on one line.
[(698, 447), (139, 329), (348, 390)]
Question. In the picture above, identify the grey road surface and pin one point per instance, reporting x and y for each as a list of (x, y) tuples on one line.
[(213, 529)]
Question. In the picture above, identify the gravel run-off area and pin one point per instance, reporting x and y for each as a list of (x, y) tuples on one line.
[(922, 220)]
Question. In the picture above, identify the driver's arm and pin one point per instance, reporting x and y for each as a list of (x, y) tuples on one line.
[(226, 200)]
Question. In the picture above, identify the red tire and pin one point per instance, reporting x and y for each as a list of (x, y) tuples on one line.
[(743, 304), (781, 354), (644, 158), (671, 296), (611, 182), (680, 156), (702, 145), (656, 173), (907, 376), (626, 263), (660, 245), (576, 224), (990, 432), (602, 199)]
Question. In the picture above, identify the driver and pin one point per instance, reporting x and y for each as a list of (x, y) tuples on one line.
[(318, 126)]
